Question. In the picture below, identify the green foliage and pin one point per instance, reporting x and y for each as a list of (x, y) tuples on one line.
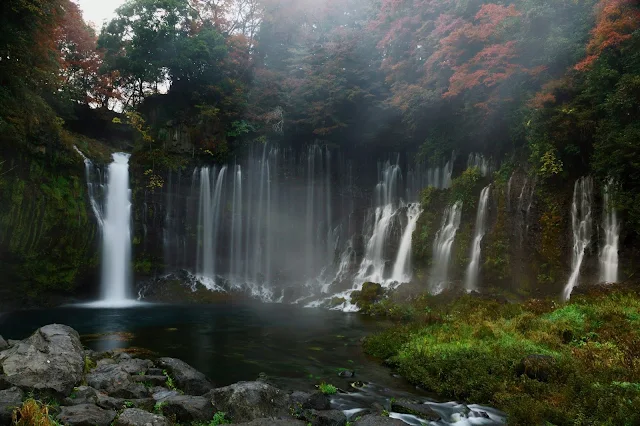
[(170, 383), (33, 413), (159, 406), (327, 389), (89, 364), (471, 349), (464, 188)]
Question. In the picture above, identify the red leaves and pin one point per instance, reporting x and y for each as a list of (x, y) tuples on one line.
[(616, 20)]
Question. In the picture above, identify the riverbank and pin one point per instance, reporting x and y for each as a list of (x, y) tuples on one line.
[(50, 377), (540, 361)]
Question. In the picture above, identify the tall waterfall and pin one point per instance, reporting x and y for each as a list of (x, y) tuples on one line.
[(442, 247), (211, 181), (116, 234), (480, 162), (581, 226), (402, 267), (473, 270), (611, 227)]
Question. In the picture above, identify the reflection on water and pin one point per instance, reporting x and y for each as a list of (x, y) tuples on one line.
[(229, 342)]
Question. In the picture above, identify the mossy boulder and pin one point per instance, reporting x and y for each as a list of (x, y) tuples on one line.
[(367, 296)]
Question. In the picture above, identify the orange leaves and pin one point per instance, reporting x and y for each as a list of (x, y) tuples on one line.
[(615, 21)]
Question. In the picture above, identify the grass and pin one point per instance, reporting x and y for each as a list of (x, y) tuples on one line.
[(218, 419), (472, 349), (33, 413), (170, 383), (327, 388)]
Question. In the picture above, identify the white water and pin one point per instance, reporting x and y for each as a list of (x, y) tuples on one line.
[(402, 267), (581, 225), (480, 162), (116, 235), (473, 270), (442, 247), (611, 226)]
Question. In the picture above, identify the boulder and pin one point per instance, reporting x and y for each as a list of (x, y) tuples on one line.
[(86, 415), (374, 420), (50, 361), (136, 365), (3, 344), (303, 400), (537, 367), (187, 378), (82, 395), (325, 418), (187, 408), (137, 417), (424, 411), (246, 401), (106, 361), (112, 379), (162, 394), (274, 422), (368, 295), (150, 380), (9, 399)]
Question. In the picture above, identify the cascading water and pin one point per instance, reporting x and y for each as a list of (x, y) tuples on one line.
[(116, 234), (480, 162), (402, 267), (442, 247), (611, 227), (581, 226), (473, 270)]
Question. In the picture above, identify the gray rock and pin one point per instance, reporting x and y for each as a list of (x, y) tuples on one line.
[(274, 422), (86, 415), (187, 408), (317, 401), (3, 344), (246, 401), (112, 379), (424, 411), (373, 420), (51, 360), (326, 418), (82, 395), (150, 380), (135, 365), (12, 342), (106, 361), (162, 394), (155, 371), (347, 374), (187, 378), (137, 417), (9, 399)]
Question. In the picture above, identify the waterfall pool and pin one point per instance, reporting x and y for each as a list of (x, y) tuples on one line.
[(296, 348)]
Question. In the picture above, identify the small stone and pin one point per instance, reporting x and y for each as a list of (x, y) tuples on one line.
[(347, 374), (86, 415), (137, 417)]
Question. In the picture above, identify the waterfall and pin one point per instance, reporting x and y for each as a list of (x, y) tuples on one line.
[(473, 270), (208, 223), (442, 246), (611, 226), (235, 267), (116, 233), (402, 267), (581, 226), (422, 177), (478, 161)]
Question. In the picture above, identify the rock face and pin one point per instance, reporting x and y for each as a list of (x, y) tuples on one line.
[(51, 360), (115, 381), (136, 417), (246, 401), (9, 399), (86, 415), (187, 378)]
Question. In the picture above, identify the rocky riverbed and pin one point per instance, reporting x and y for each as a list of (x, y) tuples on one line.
[(83, 387)]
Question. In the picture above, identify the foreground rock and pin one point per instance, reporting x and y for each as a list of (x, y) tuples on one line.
[(274, 422), (186, 378), (187, 408), (115, 381), (246, 401), (373, 420), (9, 399), (3, 344), (136, 417), (51, 361), (423, 411), (86, 415)]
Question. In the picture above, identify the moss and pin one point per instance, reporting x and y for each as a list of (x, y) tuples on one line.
[(432, 202), (474, 349), (465, 188), (369, 294), (553, 223), (496, 243)]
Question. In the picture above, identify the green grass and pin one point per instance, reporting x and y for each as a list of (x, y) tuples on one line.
[(327, 388), (170, 383), (470, 349)]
